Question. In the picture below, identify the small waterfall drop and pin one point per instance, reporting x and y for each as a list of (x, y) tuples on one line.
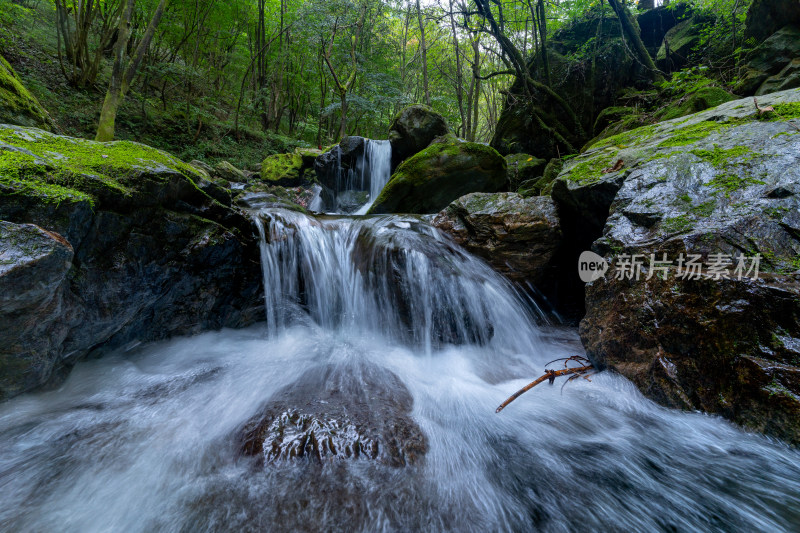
[(357, 188), (378, 156), (395, 275)]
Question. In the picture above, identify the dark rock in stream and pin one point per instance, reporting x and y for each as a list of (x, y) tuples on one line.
[(343, 412), (518, 236), (132, 245)]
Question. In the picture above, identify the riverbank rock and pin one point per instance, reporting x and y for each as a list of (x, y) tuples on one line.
[(721, 185), (17, 104), (413, 129), (428, 181), (33, 266), (155, 254), (768, 60), (518, 236)]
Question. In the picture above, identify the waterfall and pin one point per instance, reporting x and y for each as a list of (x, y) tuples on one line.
[(395, 275), (378, 155), (357, 188)]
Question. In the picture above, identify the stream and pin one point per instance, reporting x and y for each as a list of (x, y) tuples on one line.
[(366, 402)]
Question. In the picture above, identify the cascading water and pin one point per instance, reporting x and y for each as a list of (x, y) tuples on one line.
[(368, 176), (366, 403)]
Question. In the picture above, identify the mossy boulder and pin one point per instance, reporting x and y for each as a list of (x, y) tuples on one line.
[(156, 253), (695, 101), (721, 185), (413, 129), (17, 104), (283, 169), (680, 42), (539, 124), (226, 171), (523, 167), (428, 181), (768, 59)]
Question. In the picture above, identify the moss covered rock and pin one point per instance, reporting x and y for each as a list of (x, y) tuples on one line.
[(413, 129), (17, 104), (697, 100), (285, 170), (428, 181), (721, 185), (768, 59), (523, 167), (156, 253), (226, 171)]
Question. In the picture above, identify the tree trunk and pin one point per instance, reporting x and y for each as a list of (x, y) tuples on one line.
[(631, 30), (120, 83), (424, 50)]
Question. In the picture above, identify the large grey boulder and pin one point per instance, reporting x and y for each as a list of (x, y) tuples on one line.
[(722, 184)]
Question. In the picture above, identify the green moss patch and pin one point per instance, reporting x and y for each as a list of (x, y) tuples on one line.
[(56, 167)]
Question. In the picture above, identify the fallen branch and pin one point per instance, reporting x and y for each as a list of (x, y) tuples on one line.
[(551, 376)]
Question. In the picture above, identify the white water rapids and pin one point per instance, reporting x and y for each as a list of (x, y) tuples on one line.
[(148, 439)]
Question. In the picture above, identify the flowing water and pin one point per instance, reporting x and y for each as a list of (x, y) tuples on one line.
[(393, 348), (358, 187)]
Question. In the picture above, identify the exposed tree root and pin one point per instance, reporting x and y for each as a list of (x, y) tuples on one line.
[(577, 371)]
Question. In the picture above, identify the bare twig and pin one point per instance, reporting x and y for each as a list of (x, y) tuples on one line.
[(551, 375)]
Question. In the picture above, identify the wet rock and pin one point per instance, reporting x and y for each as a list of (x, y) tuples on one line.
[(413, 129), (431, 179), (721, 182), (333, 165), (157, 250), (33, 268), (349, 412), (17, 104), (518, 236)]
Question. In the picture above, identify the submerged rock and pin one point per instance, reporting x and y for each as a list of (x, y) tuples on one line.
[(413, 129), (446, 170), (721, 184), (352, 412), (156, 252), (518, 236)]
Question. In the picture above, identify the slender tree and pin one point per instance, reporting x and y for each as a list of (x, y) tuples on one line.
[(121, 75)]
